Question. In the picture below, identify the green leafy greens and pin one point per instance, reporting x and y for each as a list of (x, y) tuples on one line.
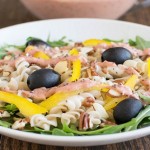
[(139, 43), (5, 49), (142, 115), (57, 131), (11, 108), (36, 130), (110, 40), (144, 123), (57, 43), (104, 130), (145, 98), (5, 124)]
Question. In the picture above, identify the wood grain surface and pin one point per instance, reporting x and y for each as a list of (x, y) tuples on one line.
[(13, 12)]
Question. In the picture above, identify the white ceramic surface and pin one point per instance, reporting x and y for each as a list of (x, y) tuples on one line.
[(77, 30)]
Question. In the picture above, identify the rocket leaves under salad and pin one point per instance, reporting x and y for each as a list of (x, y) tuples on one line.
[(139, 43)]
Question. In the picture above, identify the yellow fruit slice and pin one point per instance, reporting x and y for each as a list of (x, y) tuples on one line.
[(25, 107), (94, 42)]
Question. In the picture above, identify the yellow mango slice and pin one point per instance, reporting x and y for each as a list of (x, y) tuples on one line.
[(41, 55), (76, 72), (56, 98), (25, 107), (94, 42), (131, 82), (113, 102), (148, 64), (29, 48), (74, 52), (105, 90), (53, 100)]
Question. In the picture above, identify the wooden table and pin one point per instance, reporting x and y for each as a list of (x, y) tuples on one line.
[(13, 12)]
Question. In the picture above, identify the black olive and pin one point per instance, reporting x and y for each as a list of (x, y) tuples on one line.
[(38, 43), (127, 109), (117, 55), (43, 78)]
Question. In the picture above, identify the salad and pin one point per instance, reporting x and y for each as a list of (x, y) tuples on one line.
[(93, 87)]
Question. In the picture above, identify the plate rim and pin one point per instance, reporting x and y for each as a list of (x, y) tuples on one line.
[(77, 19)]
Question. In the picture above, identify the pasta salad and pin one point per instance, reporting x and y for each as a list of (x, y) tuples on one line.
[(93, 87)]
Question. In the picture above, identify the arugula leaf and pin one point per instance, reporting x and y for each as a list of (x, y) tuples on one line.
[(42, 131), (57, 43), (95, 132), (37, 130), (131, 42), (143, 114), (139, 43), (11, 108), (121, 127), (32, 38), (4, 49), (144, 123), (110, 40), (105, 130), (20, 47), (145, 98), (5, 124), (57, 131)]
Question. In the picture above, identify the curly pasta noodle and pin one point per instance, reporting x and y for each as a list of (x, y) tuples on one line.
[(96, 114), (118, 71), (69, 111), (41, 121), (18, 78), (137, 64), (71, 116), (19, 124)]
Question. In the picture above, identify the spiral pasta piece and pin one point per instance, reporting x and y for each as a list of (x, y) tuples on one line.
[(41, 121)]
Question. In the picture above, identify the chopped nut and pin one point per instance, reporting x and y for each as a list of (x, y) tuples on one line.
[(8, 57), (107, 122), (89, 73), (88, 102), (6, 73), (1, 70), (114, 93), (84, 121)]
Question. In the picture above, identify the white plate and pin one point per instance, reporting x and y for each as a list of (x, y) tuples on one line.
[(77, 30)]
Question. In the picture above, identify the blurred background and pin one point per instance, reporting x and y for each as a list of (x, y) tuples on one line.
[(20, 11)]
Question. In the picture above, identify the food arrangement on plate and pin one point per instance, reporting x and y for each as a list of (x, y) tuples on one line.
[(93, 87)]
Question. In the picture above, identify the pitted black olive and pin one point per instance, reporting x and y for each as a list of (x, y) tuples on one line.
[(126, 110), (117, 55), (38, 43), (43, 78)]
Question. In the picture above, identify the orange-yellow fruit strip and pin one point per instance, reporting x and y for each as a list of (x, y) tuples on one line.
[(25, 107)]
